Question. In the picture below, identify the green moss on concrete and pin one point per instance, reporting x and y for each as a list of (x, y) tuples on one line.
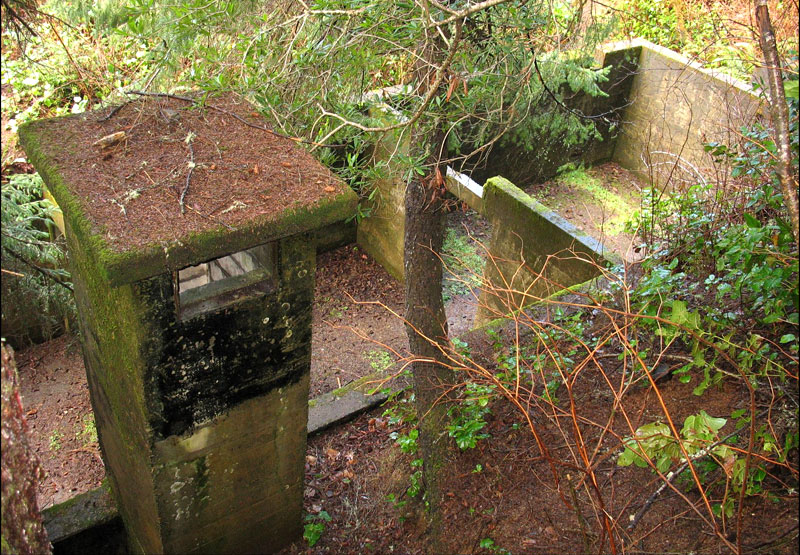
[(133, 264), (80, 513), (526, 232), (114, 338), (511, 208)]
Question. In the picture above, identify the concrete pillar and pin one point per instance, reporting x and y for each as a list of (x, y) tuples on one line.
[(198, 361)]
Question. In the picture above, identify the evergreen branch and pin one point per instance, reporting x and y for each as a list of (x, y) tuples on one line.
[(575, 113), (47, 273)]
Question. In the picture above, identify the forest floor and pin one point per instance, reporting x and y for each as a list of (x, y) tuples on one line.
[(500, 496)]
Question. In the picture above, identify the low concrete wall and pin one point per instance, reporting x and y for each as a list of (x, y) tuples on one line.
[(465, 189), (675, 107), (534, 253)]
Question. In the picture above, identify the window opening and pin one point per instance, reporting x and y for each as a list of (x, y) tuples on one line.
[(225, 281)]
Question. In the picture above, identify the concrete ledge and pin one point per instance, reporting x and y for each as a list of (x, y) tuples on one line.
[(93, 508), (535, 252), (465, 189), (638, 42), (343, 404)]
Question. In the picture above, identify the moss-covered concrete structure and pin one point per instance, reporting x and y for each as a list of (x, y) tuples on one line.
[(198, 372), (534, 253)]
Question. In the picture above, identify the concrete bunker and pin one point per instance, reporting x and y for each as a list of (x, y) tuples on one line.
[(195, 325), (659, 109)]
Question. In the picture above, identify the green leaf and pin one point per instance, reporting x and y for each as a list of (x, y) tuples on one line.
[(790, 88), (679, 312), (714, 423), (751, 221), (626, 458)]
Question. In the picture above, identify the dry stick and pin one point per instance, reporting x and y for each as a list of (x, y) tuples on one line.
[(581, 520), (45, 272), (672, 475), (72, 61), (17, 19), (113, 112), (191, 164)]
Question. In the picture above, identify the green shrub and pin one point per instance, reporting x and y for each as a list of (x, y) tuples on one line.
[(37, 294)]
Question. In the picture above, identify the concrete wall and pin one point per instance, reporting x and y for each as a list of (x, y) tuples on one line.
[(541, 159), (382, 233), (675, 107), (534, 253), (202, 422)]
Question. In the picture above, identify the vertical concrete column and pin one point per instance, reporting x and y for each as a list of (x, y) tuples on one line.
[(197, 351), (381, 234)]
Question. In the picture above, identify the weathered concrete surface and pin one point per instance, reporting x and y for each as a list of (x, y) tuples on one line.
[(381, 233), (335, 235), (675, 107), (344, 404), (201, 414), (534, 253), (231, 486), (97, 507), (464, 188), (93, 508)]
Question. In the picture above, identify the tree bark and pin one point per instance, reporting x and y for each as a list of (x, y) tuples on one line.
[(426, 322), (22, 528), (426, 325), (780, 115)]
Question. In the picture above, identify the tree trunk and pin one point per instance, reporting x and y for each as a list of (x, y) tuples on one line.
[(426, 322), (426, 325), (780, 114), (22, 528)]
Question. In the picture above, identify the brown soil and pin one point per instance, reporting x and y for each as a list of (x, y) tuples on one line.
[(55, 397), (229, 168), (352, 327), (502, 494), (349, 329)]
